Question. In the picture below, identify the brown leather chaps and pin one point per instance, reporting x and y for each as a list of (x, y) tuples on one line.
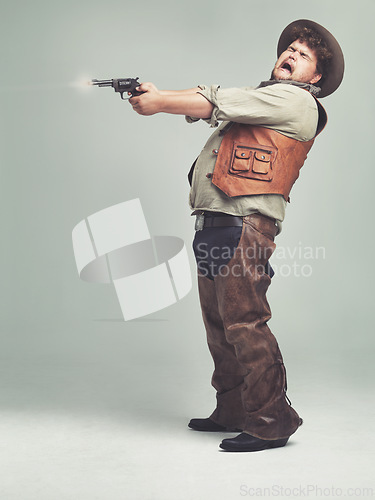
[(249, 375)]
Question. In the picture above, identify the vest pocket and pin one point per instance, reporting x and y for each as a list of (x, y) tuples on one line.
[(262, 162), (241, 159), (252, 162)]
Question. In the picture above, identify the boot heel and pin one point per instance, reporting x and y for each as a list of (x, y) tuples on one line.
[(278, 443)]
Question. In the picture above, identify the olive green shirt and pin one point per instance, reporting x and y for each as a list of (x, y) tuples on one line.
[(287, 109)]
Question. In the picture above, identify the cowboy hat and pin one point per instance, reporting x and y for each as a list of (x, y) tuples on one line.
[(335, 73)]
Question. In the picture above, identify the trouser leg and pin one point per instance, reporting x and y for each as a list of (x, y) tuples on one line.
[(228, 375), (236, 323), (244, 309)]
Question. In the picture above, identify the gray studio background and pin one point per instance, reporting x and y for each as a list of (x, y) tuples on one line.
[(96, 408)]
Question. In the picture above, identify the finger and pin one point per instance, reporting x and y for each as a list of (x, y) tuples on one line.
[(145, 86)]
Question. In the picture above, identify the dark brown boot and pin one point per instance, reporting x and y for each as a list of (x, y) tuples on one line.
[(245, 442)]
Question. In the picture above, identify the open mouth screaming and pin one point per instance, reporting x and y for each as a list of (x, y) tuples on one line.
[(287, 67)]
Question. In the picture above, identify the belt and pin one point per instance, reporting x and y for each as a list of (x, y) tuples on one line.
[(219, 219), (215, 219)]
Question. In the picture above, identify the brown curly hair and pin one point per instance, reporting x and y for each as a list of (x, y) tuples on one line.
[(317, 43)]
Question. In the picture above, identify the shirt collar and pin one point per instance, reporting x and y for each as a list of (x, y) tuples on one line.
[(308, 86)]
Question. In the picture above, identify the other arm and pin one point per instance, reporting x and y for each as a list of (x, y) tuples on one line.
[(177, 102)]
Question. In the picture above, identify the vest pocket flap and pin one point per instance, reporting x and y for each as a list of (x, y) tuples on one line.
[(262, 161), (241, 159), (262, 156), (243, 154)]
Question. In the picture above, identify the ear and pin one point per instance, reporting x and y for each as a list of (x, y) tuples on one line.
[(316, 78)]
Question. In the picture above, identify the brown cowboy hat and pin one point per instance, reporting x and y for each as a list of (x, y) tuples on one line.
[(335, 74)]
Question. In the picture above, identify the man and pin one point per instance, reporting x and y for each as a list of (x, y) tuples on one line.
[(240, 184)]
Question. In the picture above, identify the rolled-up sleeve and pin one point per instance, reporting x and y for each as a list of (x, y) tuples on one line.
[(192, 119), (210, 93)]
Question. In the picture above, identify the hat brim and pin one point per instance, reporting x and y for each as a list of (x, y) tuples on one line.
[(336, 70)]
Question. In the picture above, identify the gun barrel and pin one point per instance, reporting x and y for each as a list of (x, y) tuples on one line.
[(102, 83)]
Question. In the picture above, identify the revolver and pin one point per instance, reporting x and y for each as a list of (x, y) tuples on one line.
[(122, 85)]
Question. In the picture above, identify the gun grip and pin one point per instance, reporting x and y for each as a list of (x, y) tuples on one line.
[(137, 92)]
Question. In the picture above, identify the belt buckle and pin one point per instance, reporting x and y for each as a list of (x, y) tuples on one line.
[(199, 222)]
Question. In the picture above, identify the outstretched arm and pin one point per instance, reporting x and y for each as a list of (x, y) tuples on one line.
[(177, 102)]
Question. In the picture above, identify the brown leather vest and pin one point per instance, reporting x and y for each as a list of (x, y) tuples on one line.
[(257, 160)]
